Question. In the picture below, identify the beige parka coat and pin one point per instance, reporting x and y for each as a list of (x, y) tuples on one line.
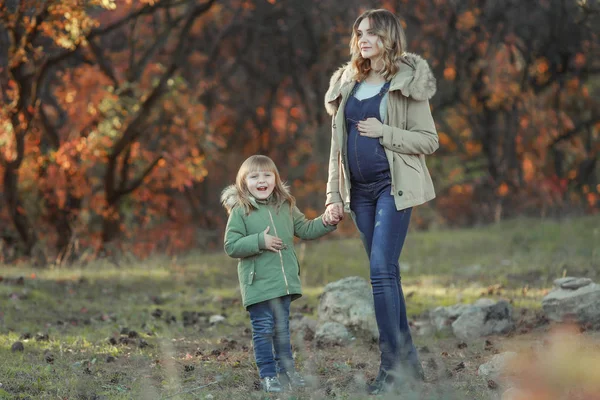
[(409, 133)]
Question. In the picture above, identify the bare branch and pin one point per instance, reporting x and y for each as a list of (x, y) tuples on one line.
[(132, 131), (102, 62), (49, 130), (146, 10), (124, 170), (37, 21), (136, 71), (575, 130), (137, 182)]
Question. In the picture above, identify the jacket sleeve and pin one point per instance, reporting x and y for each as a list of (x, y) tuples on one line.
[(309, 228), (333, 180), (238, 244), (420, 135)]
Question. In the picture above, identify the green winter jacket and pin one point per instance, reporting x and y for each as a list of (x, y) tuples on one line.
[(265, 274)]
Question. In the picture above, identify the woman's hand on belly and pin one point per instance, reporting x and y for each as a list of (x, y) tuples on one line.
[(370, 127)]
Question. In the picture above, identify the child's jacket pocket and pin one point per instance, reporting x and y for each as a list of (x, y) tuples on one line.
[(246, 271)]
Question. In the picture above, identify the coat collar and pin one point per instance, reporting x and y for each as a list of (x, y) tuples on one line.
[(414, 79), (230, 197)]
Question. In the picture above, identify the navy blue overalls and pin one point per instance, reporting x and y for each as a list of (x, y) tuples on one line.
[(383, 231)]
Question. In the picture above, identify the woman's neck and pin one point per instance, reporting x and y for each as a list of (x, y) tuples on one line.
[(374, 77)]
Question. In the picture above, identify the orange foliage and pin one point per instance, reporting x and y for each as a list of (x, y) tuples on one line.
[(502, 190), (565, 369), (204, 124), (449, 73), (528, 169), (467, 20)]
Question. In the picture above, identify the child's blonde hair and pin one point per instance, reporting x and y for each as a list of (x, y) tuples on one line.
[(256, 163), (387, 26)]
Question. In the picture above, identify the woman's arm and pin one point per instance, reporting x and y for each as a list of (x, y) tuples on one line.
[(333, 180), (420, 135)]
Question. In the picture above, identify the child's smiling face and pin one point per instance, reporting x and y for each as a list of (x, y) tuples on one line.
[(260, 184)]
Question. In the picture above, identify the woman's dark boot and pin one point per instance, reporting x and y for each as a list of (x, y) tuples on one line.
[(382, 383)]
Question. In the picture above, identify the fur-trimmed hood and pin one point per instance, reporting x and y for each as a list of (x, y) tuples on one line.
[(414, 79), (230, 197)]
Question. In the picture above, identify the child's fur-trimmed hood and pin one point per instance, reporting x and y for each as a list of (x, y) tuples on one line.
[(414, 79), (230, 197)]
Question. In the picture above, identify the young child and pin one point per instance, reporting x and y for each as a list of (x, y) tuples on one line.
[(263, 220)]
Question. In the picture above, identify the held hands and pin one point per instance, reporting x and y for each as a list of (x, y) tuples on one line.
[(370, 127), (272, 243), (333, 214)]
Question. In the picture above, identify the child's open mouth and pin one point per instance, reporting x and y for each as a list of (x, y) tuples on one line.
[(262, 188)]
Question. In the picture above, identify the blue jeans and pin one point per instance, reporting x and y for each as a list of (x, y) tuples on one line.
[(383, 230), (271, 336)]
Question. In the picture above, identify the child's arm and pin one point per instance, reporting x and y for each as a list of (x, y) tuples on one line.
[(309, 228), (238, 244)]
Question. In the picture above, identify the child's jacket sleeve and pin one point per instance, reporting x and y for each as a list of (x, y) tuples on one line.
[(309, 228), (238, 243)]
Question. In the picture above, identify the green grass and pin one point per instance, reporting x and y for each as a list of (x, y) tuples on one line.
[(507, 253), (82, 307)]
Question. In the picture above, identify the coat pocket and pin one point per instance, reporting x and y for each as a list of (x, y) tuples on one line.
[(297, 260), (246, 272), (408, 176), (412, 161)]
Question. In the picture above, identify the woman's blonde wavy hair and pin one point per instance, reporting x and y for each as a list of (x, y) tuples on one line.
[(261, 163), (387, 26)]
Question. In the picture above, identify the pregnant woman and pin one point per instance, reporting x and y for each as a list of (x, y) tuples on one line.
[(382, 129)]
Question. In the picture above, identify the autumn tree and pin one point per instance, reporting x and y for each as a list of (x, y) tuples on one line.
[(56, 53), (123, 121), (515, 108)]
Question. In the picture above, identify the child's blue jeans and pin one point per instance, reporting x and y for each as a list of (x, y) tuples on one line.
[(271, 336)]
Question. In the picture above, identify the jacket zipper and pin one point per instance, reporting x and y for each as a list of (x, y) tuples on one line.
[(287, 288)]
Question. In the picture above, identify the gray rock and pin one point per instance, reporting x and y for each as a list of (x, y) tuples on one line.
[(17, 346), (572, 283), (486, 320), (216, 319), (485, 302), (559, 281), (582, 304), (469, 321), (494, 368), (303, 327), (332, 333), (423, 327), (443, 317), (349, 302)]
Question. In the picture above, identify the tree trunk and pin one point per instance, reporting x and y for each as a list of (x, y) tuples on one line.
[(16, 211), (111, 224), (64, 232)]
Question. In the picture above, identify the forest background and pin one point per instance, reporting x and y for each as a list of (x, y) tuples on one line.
[(122, 120)]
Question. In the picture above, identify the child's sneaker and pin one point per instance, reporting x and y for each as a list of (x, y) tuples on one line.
[(293, 379), (271, 384)]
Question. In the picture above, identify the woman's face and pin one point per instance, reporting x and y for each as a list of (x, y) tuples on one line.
[(368, 42)]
